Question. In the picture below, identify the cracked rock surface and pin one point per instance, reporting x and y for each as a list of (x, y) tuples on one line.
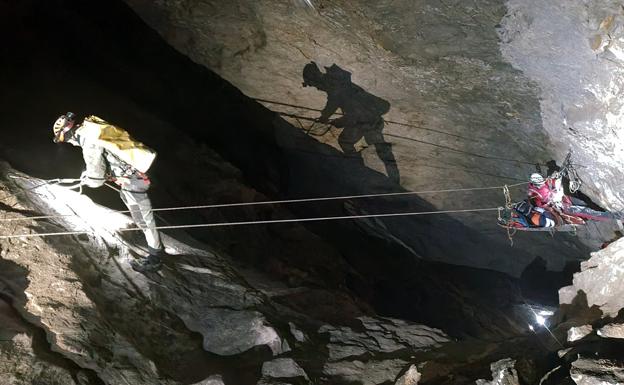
[(463, 112), (448, 94)]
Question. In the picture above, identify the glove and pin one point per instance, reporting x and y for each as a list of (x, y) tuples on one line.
[(556, 175)]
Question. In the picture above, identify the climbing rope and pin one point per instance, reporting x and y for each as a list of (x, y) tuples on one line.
[(283, 201), (509, 206), (508, 203), (262, 222)]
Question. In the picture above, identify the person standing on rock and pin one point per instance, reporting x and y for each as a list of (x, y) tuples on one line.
[(361, 113), (111, 154)]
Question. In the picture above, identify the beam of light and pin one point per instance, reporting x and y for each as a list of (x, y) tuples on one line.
[(540, 320)]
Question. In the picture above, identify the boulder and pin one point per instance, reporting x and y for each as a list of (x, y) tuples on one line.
[(503, 373), (410, 377), (586, 371), (579, 332), (282, 371), (614, 330), (601, 279)]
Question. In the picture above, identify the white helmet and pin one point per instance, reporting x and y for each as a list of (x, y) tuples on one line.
[(63, 126), (537, 179)]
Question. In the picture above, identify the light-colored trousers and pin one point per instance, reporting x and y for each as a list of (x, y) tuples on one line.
[(134, 195)]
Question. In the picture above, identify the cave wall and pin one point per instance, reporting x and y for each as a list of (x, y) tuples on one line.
[(86, 57), (515, 82), (466, 110), (574, 51)]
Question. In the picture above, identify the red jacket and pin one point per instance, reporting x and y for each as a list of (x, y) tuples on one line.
[(544, 196)]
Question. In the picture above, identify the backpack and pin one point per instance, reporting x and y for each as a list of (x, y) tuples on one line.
[(118, 142)]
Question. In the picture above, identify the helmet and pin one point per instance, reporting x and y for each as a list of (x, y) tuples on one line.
[(63, 127), (537, 179), (312, 76)]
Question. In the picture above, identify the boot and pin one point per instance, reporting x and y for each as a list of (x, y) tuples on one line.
[(147, 265)]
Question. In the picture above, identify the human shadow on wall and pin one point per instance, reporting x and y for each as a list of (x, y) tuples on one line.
[(274, 156), (362, 113)]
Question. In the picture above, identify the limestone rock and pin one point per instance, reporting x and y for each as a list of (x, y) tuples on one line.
[(615, 330), (571, 115), (228, 332), (20, 365), (503, 373), (60, 287), (358, 353), (298, 334), (212, 380), (601, 279), (410, 377), (579, 332), (586, 371), (370, 372), (281, 371), (380, 335), (459, 113)]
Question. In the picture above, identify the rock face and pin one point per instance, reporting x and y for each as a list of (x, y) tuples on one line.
[(460, 114), (444, 67), (573, 50), (19, 363), (281, 371), (597, 372), (601, 280), (125, 328), (593, 303), (379, 336), (410, 377), (615, 330), (577, 333), (374, 352), (100, 314), (503, 373), (421, 97)]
